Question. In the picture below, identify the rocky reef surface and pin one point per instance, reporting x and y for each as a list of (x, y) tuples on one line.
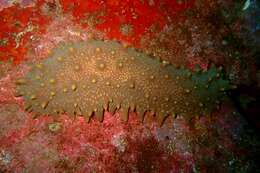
[(195, 60)]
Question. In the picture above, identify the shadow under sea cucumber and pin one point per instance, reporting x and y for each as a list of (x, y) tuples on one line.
[(88, 77)]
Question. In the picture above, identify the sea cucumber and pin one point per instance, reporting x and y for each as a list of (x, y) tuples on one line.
[(88, 77)]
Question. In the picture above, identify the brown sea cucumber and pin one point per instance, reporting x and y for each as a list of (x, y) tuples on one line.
[(86, 78)]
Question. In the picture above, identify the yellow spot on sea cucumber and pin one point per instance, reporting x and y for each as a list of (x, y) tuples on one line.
[(98, 49), (77, 67), (38, 77), (146, 95), (187, 90), (73, 87), (44, 105), (94, 81), (52, 81), (132, 85), (33, 97), (165, 63), (60, 58), (20, 82), (166, 99), (102, 66), (39, 66), (71, 49), (120, 65), (53, 93)]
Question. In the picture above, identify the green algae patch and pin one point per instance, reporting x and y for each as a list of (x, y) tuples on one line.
[(89, 77), (54, 127)]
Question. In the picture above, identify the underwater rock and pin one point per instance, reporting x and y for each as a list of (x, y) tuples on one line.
[(89, 77)]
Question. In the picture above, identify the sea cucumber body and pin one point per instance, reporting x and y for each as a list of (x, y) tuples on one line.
[(88, 77)]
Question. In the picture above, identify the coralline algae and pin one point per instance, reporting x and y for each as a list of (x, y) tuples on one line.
[(89, 77)]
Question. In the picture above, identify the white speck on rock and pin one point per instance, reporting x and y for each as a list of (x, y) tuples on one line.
[(5, 158), (119, 142)]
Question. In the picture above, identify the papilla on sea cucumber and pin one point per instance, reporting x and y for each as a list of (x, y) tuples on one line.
[(88, 77)]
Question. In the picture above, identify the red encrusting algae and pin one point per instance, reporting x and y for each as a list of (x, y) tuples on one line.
[(126, 21), (18, 26), (110, 16)]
